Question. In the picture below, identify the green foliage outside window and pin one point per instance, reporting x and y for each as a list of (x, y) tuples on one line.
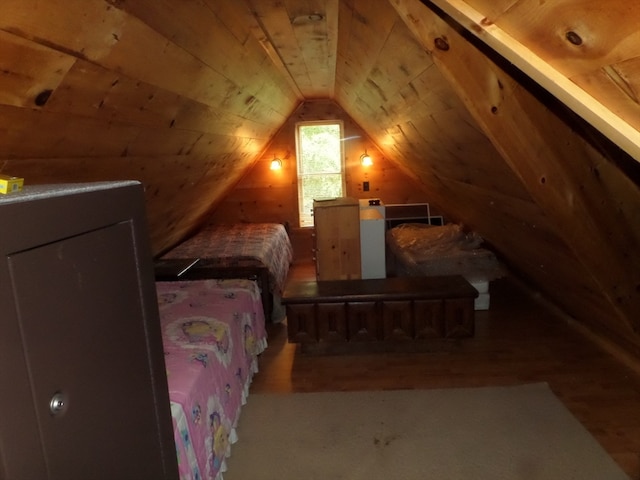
[(320, 149), (320, 166)]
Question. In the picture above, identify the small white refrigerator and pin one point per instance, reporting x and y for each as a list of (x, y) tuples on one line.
[(372, 243)]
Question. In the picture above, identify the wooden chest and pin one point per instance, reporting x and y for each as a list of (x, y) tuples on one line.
[(387, 309)]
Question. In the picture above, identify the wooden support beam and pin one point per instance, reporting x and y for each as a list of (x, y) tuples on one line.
[(616, 128)]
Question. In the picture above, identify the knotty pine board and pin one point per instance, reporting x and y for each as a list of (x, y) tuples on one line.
[(29, 69), (606, 35)]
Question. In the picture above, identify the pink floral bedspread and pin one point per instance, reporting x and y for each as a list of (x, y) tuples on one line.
[(212, 332), (266, 243)]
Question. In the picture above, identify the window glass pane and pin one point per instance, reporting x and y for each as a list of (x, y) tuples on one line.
[(320, 148), (320, 166)]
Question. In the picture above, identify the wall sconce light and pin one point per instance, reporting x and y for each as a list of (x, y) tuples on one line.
[(365, 159), (276, 164)]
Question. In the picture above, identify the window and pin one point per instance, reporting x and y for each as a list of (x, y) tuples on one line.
[(320, 165)]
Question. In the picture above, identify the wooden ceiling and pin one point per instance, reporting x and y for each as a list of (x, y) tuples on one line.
[(518, 118), (583, 52)]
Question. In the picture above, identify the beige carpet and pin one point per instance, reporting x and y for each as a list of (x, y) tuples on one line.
[(520, 433)]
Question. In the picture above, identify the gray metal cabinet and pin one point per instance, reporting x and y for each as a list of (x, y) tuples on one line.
[(83, 390)]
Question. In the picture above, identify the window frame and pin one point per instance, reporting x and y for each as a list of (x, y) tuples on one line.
[(299, 157)]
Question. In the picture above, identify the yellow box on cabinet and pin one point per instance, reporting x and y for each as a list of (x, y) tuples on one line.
[(10, 184)]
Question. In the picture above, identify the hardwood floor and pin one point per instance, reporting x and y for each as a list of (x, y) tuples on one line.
[(518, 340)]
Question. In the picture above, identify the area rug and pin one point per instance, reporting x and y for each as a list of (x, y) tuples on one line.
[(516, 433)]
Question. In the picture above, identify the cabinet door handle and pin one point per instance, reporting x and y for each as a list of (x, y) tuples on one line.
[(58, 403)]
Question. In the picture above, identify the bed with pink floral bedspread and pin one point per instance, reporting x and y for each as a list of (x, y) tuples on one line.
[(213, 331)]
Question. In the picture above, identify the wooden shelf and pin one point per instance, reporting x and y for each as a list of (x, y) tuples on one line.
[(411, 213)]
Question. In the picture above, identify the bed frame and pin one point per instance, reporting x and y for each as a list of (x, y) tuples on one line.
[(423, 250), (259, 251), (173, 269)]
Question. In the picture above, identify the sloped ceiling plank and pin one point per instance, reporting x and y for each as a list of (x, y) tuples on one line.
[(195, 28), (106, 36), (363, 32), (299, 33), (528, 136), (389, 91), (333, 34), (574, 37), (232, 14), (428, 90), (434, 149), (89, 35), (590, 42), (492, 9), (203, 118), (131, 47), (100, 95), (315, 25), (275, 19), (31, 133), (437, 160), (93, 91), (39, 134), (586, 104), (409, 63), (617, 86), (262, 36), (25, 70)]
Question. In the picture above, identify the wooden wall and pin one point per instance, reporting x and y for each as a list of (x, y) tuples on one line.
[(266, 195), (564, 211)]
